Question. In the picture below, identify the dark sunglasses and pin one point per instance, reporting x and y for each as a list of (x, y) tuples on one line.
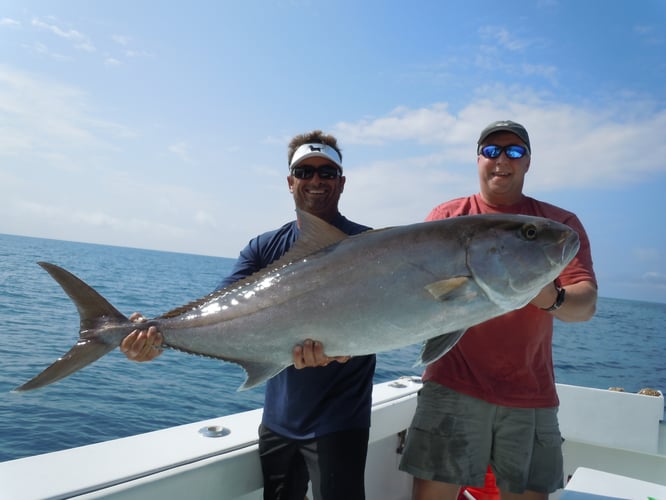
[(326, 172), (512, 151)]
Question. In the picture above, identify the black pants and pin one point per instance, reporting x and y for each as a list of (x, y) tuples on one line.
[(335, 463)]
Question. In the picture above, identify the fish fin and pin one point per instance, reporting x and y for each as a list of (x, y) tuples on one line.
[(82, 354), (95, 312), (443, 288), (436, 347), (258, 373), (314, 235)]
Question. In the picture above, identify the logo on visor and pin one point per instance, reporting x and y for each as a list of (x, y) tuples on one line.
[(314, 148)]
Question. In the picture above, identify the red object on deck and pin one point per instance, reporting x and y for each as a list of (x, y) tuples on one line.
[(488, 492)]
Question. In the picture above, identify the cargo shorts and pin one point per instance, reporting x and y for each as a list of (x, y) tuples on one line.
[(453, 437)]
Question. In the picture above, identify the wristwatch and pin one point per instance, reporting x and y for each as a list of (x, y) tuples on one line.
[(558, 301)]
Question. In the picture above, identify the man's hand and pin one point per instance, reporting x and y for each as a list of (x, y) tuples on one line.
[(142, 345), (311, 354)]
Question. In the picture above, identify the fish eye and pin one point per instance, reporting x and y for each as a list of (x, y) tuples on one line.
[(529, 232)]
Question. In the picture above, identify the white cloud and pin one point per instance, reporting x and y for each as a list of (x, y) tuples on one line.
[(547, 72), (121, 39), (425, 125), (647, 255), (428, 154), (204, 218), (649, 35), (78, 39), (50, 119), (7, 21), (62, 155), (655, 278), (503, 38), (573, 145), (40, 48), (181, 150), (124, 41)]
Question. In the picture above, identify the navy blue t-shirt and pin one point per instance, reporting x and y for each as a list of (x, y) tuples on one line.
[(311, 402)]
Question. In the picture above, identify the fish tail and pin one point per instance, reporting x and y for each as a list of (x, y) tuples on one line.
[(95, 312)]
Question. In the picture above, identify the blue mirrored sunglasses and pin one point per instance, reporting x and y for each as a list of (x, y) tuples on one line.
[(512, 151), (326, 172)]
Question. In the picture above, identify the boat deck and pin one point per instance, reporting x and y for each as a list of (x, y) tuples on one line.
[(614, 432)]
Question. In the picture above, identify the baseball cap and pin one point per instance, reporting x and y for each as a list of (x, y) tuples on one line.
[(506, 126), (311, 150)]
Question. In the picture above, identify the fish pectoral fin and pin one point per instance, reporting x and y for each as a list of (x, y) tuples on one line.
[(258, 372), (82, 354), (443, 288), (436, 347)]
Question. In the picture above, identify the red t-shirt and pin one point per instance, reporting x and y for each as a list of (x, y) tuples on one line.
[(508, 360)]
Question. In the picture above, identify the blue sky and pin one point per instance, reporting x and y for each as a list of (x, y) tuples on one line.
[(164, 125)]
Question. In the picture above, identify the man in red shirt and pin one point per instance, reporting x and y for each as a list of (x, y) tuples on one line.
[(491, 399)]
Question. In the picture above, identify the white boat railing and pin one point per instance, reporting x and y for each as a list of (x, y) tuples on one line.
[(215, 458), (618, 433)]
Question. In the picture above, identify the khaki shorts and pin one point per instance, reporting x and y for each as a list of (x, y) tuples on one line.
[(453, 437)]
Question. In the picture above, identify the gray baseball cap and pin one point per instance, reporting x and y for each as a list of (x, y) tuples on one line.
[(506, 126)]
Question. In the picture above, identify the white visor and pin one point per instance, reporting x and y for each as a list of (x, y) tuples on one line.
[(312, 150)]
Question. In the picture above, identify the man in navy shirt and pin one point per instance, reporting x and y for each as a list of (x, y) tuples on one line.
[(316, 416)]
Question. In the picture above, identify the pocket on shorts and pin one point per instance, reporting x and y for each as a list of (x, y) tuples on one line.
[(429, 411), (549, 437)]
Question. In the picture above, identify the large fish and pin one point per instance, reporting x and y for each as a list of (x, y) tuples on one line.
[(362, 294)]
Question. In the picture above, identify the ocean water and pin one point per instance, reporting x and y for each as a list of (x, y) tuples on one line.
[(622, 345)]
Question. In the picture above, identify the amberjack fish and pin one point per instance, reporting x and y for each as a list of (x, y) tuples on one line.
[(375, 291)]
